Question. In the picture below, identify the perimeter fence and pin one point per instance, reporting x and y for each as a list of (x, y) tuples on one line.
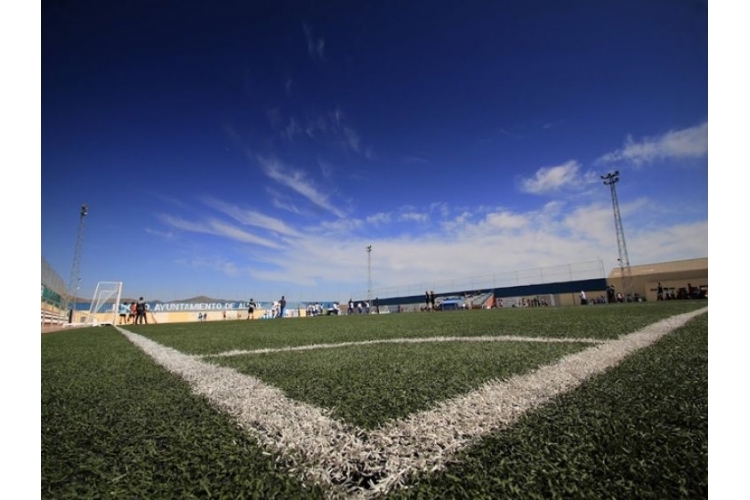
[(536, 276), (53, 287)]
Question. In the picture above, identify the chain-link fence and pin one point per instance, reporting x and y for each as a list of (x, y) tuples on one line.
[(53, 287), (540, 275)]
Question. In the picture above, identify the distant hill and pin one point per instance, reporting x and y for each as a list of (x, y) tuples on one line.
[(202, 298)]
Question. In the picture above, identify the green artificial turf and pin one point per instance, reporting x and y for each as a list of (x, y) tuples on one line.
[(116, 425), (640, 431), (367, 385), (600, 321)]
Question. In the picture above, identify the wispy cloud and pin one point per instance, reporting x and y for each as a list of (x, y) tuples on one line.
[(334, 128), (414, 217), (327, 258), (326, 168), (282, 202), (315, 46), (217, 228), (162, 234), (292, 129), (552, 178), (297, 181), (506, 220), (216, 263), (379, 218), (352, 139), (416, 159), (251, 217), (686, 143)]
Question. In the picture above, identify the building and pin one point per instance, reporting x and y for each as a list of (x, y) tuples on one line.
[(674, 277)]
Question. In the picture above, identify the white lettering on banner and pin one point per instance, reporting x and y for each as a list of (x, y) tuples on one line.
[(197, 306)]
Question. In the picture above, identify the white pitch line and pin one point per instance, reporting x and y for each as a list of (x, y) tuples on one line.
[(425, 440), (339, 455), (412, 340)]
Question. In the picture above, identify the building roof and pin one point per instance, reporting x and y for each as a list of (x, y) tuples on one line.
[(665, 267)]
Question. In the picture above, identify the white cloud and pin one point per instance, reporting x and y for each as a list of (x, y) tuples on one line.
[(470, 248), (352, 139), (507, 220), (251, 217), (379, 218), (292, 129), (687, 143), (315, 47), (552, 178), (414, 216), (217, 228), (297, 181)]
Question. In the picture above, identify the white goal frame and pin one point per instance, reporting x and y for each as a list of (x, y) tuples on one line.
[(106, 300)]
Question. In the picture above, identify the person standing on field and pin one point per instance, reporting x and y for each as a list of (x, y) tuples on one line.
[(251, 309), (124, 310), (140, 312), (282, 306)]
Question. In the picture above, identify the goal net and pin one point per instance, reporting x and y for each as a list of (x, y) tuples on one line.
[(105, 304)]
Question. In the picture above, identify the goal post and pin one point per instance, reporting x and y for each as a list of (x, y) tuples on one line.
[(105, 304)]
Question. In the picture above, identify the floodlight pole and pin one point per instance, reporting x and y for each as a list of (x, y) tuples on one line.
[(369, 274), (75, 272), (627, 278)]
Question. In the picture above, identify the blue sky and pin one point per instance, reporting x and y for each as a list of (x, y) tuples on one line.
[(253, 149)]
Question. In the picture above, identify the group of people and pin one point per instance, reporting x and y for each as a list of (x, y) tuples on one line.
[(429, 300), (363, 307), (318, 309), (277, 309), (134, 313), (612, 297)]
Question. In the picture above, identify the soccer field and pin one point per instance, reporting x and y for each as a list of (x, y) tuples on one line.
[(576, 402)]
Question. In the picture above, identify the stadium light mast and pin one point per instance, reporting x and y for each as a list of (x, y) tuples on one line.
[(627, 278), (75, 272), (369, 274)]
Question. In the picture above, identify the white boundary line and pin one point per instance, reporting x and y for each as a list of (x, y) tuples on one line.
[(343, 457), (408, 340)]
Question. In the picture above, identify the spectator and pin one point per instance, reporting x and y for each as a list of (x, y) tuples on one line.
[(132, 313), (140, 312), (282, 306), (124, 311), (251, 309)]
